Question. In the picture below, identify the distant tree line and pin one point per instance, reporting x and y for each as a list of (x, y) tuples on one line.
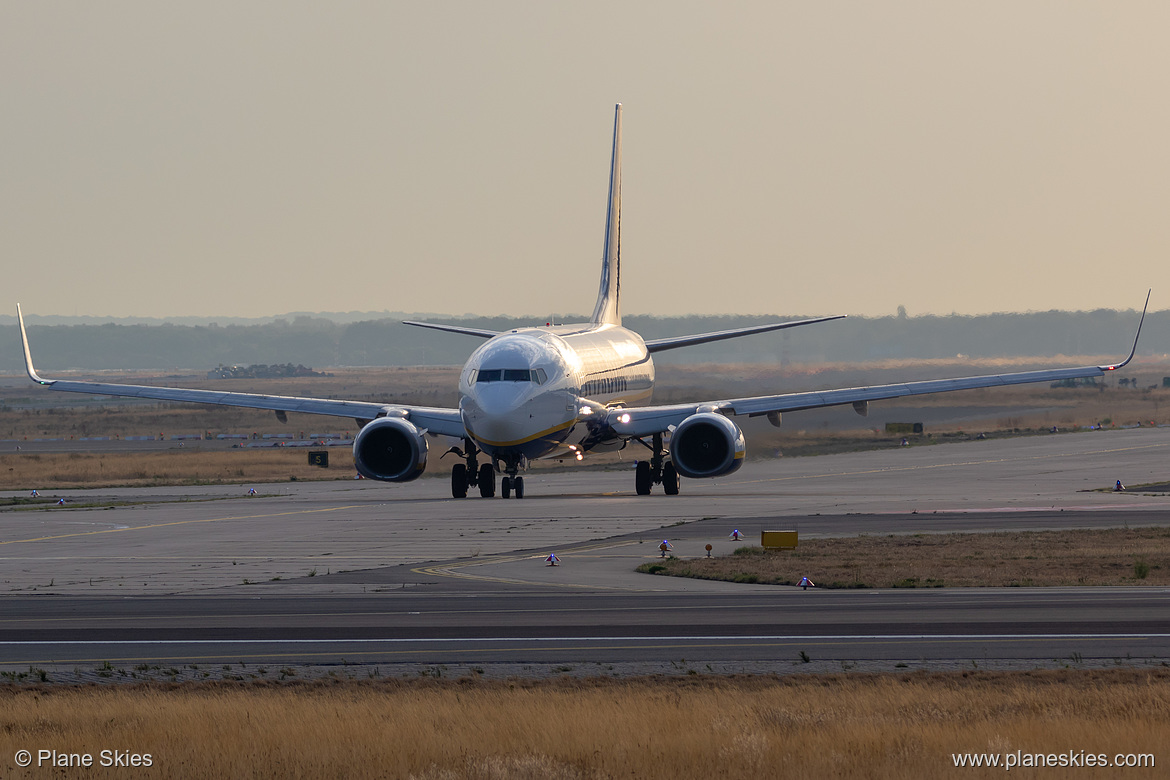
[(387, 342), (262, 371)]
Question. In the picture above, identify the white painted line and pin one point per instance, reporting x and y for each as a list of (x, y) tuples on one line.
[(754, 638)]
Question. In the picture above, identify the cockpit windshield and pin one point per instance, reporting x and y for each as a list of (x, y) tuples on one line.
[(536, 375)]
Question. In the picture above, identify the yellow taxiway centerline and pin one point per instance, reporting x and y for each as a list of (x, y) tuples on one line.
[(449, 569)]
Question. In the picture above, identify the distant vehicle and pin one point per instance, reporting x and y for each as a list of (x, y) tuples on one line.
[(564, 391)]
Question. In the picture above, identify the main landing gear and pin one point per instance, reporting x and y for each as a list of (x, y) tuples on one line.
[(656, 471), (471, 474)]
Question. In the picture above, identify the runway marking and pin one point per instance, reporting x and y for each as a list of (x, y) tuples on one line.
[(448, 569), (122, 529), (1028, 509), (547, 639), (704, 642), (894, 469), (956, 598)]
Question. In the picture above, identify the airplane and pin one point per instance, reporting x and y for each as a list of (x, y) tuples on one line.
[(564, 391)]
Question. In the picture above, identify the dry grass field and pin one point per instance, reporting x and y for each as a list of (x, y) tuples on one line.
[(849, 726), (26, 471), (1129, 556)]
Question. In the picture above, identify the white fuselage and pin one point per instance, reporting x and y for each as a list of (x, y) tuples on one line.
[(532, 392)]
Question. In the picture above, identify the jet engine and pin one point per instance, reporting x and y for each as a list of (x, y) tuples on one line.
[(706, 445), (390, 449)]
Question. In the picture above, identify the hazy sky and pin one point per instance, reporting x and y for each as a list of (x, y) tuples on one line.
[(254, 158)]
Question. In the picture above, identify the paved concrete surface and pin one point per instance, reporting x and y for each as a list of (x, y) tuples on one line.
[(168, 540), (360, 578)]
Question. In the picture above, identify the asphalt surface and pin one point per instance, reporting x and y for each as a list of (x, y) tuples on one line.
[(524, 627), (373, 579)]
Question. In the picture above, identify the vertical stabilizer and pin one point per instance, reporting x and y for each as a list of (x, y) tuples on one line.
[(608, 310)]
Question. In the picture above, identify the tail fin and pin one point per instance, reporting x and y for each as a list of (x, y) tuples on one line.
[(608, 311)]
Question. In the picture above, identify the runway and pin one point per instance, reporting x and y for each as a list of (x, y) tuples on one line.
[(359, 576), (787, 630)]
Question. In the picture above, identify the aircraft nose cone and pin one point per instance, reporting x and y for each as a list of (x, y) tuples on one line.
[(497, 399), (495, 414)]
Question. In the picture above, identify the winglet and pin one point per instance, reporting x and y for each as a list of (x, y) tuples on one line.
[(1133, 351), (28, 364), (608, 309)]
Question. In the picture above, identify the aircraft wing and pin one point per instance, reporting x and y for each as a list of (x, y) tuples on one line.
[(439, 421), (647, 420), (659, 345)]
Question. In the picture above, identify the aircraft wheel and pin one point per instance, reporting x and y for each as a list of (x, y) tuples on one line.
[(459, 480), (487, 481), (518, 485), (506, 487), (642, 483), (670, 479)]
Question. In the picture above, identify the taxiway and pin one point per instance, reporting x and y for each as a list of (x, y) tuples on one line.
[(332, 573)]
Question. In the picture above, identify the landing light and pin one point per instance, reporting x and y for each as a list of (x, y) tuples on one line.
[(580, 456), (624, 419), (586, 410)]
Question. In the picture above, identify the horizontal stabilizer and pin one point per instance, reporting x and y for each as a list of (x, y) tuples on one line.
[(659, 345), (480, 332)]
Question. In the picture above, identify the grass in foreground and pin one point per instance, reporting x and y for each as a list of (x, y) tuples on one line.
[(869, 726), (1132, 556)]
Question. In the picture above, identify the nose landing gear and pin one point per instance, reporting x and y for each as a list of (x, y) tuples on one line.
[(511, 483)]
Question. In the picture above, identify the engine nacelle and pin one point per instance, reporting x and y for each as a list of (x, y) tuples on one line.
[(390, 449), (706, 445)]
